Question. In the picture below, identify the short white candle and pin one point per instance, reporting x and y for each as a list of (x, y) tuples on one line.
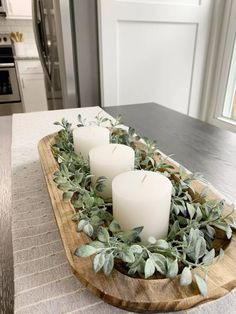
[(142, 198), (87, 137), (109, 161)]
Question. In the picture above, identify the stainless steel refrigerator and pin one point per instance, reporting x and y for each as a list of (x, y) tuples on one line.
[(67, 41)]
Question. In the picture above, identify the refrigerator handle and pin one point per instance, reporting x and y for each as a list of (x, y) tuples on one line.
[(50, 39), (37, 38)]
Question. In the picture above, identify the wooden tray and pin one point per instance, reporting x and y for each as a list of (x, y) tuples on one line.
[(138, 295)]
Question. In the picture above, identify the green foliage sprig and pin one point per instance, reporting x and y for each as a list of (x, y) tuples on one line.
[(194, 220)]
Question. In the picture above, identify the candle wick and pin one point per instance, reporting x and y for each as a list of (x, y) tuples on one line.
[(143, 179), (114, 149)]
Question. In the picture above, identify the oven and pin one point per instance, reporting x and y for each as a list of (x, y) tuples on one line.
[(9, 89), (2, 8)]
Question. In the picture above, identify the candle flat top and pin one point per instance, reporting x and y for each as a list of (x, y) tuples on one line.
[(117, 152), (142, 185), (90, 131)]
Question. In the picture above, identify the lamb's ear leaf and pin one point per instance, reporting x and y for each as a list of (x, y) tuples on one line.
[(186, 277), (108, 264), (85, 250), (149, 268), (202, 286), (98, 262)]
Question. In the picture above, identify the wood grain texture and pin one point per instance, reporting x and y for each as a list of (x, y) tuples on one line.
[(133, 294), (6, 258)]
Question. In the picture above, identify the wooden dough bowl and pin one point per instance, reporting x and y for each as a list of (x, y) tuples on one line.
[(133, 294)]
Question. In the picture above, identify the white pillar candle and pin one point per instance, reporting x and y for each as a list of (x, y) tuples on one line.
[(142, 198), (109, 161), (87, 137)]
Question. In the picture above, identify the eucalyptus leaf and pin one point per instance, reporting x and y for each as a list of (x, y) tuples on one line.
[(132, 271), (135, 248), (81, 224), (89, 202), (130, 236), (78, 203), (174, 229), (186, 277), (202, 286), (209, 257), (114, 226), (67, 196), (78, 176), (88, 229), (152, 240), (221, 225), (183, 221), (98, 262), (85, 250), (64, 170), (228, 232), (221, 255), (103, 234), (100, 184), (108, 264), (198, 214), (127, 255), (60, 180), (97, 244), (193, 237), (200, 248), (149, 269), (160, 263), (210, 231), (191, 210), (162, 244), (172, 269)]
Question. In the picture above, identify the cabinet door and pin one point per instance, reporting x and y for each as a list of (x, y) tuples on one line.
[(34, 94), (154, 51), (19, 9)]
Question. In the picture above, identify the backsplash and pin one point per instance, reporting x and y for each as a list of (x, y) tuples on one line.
[(25, 27)]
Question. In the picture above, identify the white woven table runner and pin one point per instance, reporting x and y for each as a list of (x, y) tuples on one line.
[(44, 282)]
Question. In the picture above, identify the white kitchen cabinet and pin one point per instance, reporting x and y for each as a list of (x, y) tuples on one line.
[(16, 9), (32, 86), (33, 90), (154, 51)]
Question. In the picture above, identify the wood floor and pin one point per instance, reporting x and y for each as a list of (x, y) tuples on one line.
[(6, 260)]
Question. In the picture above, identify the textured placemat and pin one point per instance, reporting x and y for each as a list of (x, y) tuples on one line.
[(44, 282)]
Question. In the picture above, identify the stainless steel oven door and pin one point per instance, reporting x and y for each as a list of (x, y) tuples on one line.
[(9, 90), (2, 8)]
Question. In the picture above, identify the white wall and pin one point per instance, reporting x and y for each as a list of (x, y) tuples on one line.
[(160, 68)]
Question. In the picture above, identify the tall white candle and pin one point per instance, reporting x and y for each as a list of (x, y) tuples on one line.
[(109, 161), (87, 137), (142, 198)]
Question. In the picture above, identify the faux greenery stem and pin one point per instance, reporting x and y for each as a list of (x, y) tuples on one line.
[(194, 219)]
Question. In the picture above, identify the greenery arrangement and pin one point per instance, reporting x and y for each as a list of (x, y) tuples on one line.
[(194, 220)]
